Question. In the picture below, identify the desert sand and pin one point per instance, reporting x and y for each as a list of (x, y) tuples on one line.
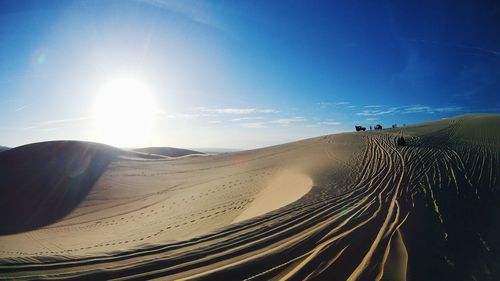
[(167, 151), (350, 206)]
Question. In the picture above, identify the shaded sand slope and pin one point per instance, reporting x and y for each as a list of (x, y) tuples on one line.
[(425, 211), (42, 182)]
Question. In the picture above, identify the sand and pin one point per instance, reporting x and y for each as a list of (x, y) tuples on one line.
[(285, 188), (351, 206), (167, 151)]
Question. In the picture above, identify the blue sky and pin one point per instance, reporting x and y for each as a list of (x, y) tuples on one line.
[(240, 74)]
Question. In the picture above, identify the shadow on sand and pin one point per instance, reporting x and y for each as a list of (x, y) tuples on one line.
[(41, 183)]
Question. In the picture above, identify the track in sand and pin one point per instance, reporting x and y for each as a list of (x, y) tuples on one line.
[(376, 211)]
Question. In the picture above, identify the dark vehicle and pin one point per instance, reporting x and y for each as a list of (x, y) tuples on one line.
[(360, 128), (401, 141), (378, 127)]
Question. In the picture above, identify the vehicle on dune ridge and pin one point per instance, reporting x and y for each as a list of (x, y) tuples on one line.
[(360, 128)]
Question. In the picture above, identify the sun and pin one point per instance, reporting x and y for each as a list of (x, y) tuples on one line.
[(124, 113)]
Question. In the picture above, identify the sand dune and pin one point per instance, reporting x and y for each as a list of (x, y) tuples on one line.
[(284, 189), (350, 206), (167, 151)]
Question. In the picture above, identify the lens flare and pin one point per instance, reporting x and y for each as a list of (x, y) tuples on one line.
[(41, 58)]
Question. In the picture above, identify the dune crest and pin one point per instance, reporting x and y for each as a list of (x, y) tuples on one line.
[(286, 188), (378, 211)]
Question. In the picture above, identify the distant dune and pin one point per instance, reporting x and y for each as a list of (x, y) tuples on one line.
[(3, 148), (167, 151), (42, 182), (217, 150), (350, 206)]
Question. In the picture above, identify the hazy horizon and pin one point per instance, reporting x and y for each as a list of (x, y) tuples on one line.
[(238, 75), (221, 149)]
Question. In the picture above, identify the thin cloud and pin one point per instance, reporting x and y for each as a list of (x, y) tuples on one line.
[(68, 120), (247, 118), (327, 103), (18, 128), (342, 103), (377, 112), (417, 109), (288, 121), (458, 46), (183, 115), (253, 125), (409, 109), (47, 129), (195, 11), (431, 110), (21, 108), (329, 123), (46, 125), (323, 103), (236, 110)]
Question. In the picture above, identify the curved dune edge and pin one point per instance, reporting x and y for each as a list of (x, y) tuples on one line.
[(377, 211), (284, 189)]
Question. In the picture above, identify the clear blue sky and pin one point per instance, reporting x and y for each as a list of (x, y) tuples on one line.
[(239, 74)]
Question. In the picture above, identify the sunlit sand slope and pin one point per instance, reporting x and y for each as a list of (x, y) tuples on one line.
[(425, 211)]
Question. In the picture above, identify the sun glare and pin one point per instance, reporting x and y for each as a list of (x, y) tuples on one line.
[(124, 113)]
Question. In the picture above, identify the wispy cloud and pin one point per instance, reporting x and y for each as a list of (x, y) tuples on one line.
[(342, 103), (18, 128), (329, 123), (408, 109), (67, 120), (46, 125), (431, 110), (323, 103), (50, 129), (195, 11), (236, 110), (266, 124), (21, 108), (184, 115), (288, 121), (247, 118), (459, 46), (253, 125), (377, 112), (327, 103)]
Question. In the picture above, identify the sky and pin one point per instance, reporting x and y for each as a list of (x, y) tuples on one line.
[(239, 74)]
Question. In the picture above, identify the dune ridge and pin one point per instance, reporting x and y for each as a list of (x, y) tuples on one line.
[(167, 151), (377, 211)]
